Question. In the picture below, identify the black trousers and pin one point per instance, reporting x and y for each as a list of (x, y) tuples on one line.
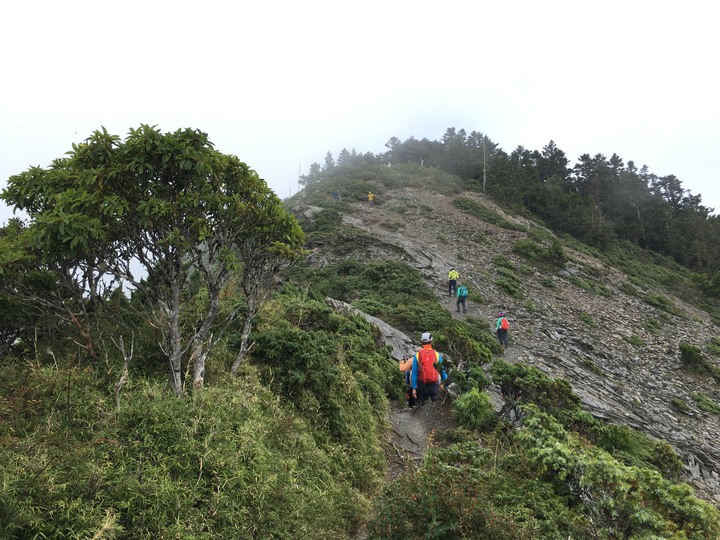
[(427, 391)]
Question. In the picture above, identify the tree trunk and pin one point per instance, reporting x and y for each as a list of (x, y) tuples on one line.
[(247, 328), (175, 355), (200, 347)]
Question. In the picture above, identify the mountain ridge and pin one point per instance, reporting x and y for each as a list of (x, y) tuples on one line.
[(577, 321)]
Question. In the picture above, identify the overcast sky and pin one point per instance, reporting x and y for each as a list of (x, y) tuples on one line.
[(281, 83)]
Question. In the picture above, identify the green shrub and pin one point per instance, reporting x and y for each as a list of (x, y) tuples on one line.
[(471, 378), (628, 289), (591, 366), (713, 346), (712, 369), (662, 302), (653, 325), (680, 404), (524, 269), (509, 282), (466, 342), (580, 282), (501, 261), (706, 403), (634, 341), (548, 282), (474, 410), (588, 319), (553, 256), (226, 464), (534, 386), (529, 249), (328, 219), (622, 501), (556, 254), (690, 355), (481, 211), (453, 495), (509, 286)]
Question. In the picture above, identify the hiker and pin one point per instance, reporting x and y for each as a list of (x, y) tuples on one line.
[(501, 329), (424, 377), (453, 276), (371, 198), (336, 195), (462, 294), (405, 365)]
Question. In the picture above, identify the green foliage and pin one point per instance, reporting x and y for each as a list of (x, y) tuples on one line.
[(580, 282), (390, 290), (328, 219), (483, 212), (501, 261), (680, 404), (713, 370), (620, 499), (227, 464), (629, 288), (534, 386), (592, 366), (553, 256), (466, 343), (509, 282), (690, 355), (560, 485), (713, 346), (653, 325), (548, 282), (528, 248), (634, 341), (166, 203), (525, 269), (591, 286), (588, 319), (474, 410), (288, 449), (327, 365), (706, 403), (453, 495), (662, 302)]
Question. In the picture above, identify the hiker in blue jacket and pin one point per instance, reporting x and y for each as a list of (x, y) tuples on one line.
[(424, 377)]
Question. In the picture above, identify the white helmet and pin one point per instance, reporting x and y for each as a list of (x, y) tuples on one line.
[(426, 337)]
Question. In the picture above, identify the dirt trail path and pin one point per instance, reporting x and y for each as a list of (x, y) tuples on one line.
[(412, 431)]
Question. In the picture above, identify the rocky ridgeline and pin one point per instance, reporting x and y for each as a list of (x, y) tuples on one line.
[(623, 372)]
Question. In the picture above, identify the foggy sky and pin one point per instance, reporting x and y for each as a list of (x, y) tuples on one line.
[(279, 84)]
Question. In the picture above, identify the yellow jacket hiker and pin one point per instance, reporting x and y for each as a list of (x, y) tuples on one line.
[(453, 276)]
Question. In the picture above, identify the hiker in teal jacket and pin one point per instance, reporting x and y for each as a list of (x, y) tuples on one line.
[(462, 294)]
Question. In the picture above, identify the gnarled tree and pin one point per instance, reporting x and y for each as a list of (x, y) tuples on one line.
[(151, 211)]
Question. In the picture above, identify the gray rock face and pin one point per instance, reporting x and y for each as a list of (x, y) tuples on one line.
[(619, 353)]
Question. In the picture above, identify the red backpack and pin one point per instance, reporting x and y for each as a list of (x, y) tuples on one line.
[(427, 374), (504, 324)]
